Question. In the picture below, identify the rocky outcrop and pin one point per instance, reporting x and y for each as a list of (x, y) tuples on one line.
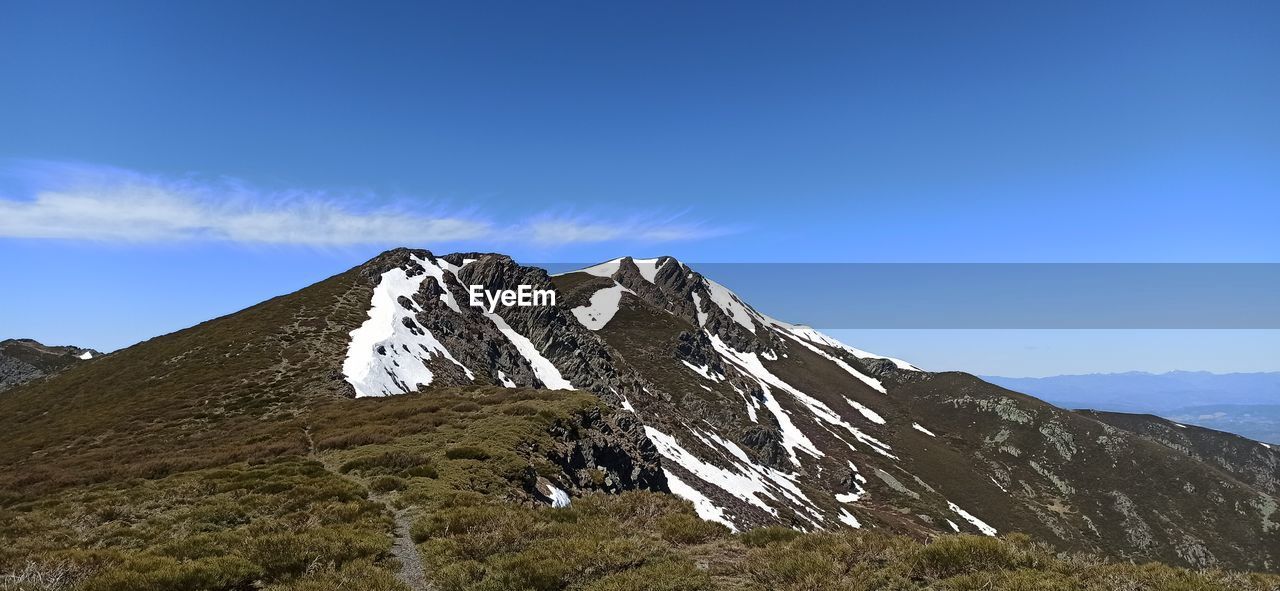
[(601, 451), (24, 360)]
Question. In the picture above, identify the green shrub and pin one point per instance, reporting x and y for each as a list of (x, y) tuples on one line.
[(557, 563), (480, 531), (657, 576), (290, 553), (520, 410), (162, 573), (423, 471), (763, 536), (361, 574), (682, 528), (392, 461), (466, 452), (386, 484), (353, 439), (949, 556), (635, 509)]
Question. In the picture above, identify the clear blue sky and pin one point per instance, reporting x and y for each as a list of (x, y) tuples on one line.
[(161, 163)]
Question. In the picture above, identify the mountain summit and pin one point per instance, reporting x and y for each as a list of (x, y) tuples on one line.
[(759, 421), (755, 421)]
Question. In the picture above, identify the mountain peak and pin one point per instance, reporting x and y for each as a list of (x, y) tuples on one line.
[(757, 421), (23, 360)]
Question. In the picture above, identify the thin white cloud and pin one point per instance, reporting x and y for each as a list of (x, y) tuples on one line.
[(79, 202), (151, 214), (559, 231)]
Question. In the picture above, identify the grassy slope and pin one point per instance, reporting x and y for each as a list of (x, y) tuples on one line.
[(226, 456), (456, 461), (204, 396)]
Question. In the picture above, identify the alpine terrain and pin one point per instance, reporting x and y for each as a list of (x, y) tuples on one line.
[(378, 428), (23, 360)]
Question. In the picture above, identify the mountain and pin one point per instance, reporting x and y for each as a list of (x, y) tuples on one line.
[(1260, 422), (1241, 403), (1249, 461), (764, 422), (1149, 392), (250, 437), (23, 360)]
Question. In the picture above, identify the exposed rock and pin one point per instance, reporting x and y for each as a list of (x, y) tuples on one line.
[(24, 360), (606, 453)]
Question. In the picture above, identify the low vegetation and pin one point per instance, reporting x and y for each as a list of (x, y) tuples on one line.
[(283, 520), (318, 514)]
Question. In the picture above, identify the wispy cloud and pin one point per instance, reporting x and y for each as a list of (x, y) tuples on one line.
[(551, 230), (70, 201)]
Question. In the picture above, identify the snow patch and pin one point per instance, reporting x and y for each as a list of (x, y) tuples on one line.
[(741, 486), (731, 305), (867, 413), (920, 428), (697, 307), (388, 352), (437, 272), (705, 508), (858, 491), (542, 367), (86, 355), (704, 371), (750, 364), (742, 478), (506, 381), (752, 404), (792, 437), (848, 519), (559, 498), (649, 268), (605, 269), (986, 530), (603, 306), (811, 335), (864, 378)]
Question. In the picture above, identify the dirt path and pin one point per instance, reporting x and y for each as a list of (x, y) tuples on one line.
[(412, 572)]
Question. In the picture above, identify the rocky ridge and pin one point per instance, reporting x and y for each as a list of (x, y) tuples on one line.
[(759, 421), (24, 360)]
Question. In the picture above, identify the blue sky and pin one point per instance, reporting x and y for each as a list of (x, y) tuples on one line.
[(182, 160)]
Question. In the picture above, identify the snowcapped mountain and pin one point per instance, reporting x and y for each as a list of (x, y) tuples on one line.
[(754, 420), (759, 421)]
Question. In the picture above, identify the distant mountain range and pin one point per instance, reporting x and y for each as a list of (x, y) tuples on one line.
[(1247, 404)]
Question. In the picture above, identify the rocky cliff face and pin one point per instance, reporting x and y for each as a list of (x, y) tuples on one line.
[(758, 421), (606, 453)]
